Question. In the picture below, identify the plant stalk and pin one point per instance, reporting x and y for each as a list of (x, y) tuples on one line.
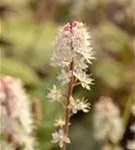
[(67, 110)]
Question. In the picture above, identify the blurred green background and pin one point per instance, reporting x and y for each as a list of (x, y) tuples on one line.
[(28, 29)]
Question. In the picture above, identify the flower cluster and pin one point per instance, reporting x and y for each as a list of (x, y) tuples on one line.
[(73, 53), (77, 105), (107, 121), (16, 122), (131, 145), (55, 94), (60, 137)]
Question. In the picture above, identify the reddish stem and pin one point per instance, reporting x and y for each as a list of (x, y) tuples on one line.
[(70, 90), (67, 110)]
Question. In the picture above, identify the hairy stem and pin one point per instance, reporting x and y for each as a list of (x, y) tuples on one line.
[(6, 100), (70, 92), (67, 111)]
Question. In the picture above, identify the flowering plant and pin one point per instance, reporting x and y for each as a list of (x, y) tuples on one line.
[(73, 53)]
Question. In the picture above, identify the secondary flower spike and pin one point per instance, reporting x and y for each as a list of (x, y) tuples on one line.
[(107, 121), (16, 121)]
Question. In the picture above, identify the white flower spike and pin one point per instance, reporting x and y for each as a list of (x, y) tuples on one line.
[(16, 121), (107, 121), (73, 54)]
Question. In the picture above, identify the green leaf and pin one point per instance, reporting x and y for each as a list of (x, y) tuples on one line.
[(109, 71), (18, 69)]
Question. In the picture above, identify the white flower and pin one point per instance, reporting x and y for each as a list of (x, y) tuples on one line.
[(131, 145), (80, 64), (117, 130), (85, 80), (107, 121), (59, 123), (55, 94), (64, 77), (59, 137), (84, 105), (77, 105)]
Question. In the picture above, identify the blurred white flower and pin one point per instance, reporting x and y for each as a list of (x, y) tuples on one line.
[(107, 121), (59, 137), (55, 94), (133, 109), (15, 116), (131, 145), (132, 128), (77, 105)]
